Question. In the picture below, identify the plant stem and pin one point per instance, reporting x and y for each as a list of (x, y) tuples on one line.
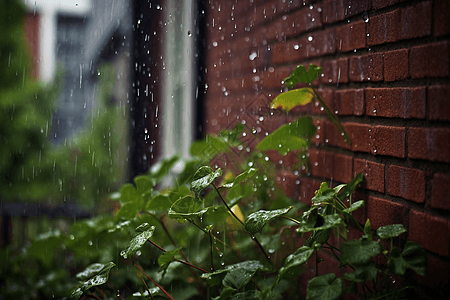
[(154, 282), (211, 250), (317, 264), (229, 209), (291, 219), (148, 291), (206, 232), (251, 235), (178, 260)]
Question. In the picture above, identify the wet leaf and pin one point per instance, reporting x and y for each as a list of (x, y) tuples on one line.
[(362, 273), (413, 257), (215, 277), (165, 259), (137, 241), (248, 295), (368, 230), (127, 211), (390, 231), (204, 177), (101, 277), (91, 270), (293, 262), (289, 100), (359, 252), (289, 137), (354, 206), (350, 187), (256, 221), (238, 278), (329, 221), (325, 287), (301, 75), (159, 203), (187, 207), (241, 177)]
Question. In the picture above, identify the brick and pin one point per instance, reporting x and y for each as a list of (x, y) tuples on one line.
[(366, 68), (437, 277), (307, 188), (287, 52), (378, 4), (430, 60), (438, 102), (272, 78), (303, 20), (407, 183), (333, 137), (319, 138), (384, 28), (288, 182), (389, 140), (431, 144), (440, 193), (320, 43), (351, 36), (396, 65), (335, 71), (431, 232), (396, 102), (383, 212), (343, 168), (373, 174), (416, 21), (349, 102), (441, 19), (327, 96), (322, 163), (361, 136), (338, 10)]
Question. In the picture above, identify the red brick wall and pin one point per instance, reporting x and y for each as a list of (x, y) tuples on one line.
[(386, 74)]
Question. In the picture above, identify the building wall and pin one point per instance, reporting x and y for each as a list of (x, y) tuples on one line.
[(386, 74)]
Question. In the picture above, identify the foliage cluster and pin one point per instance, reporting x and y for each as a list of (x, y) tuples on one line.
[(220, 236), (31, 168)]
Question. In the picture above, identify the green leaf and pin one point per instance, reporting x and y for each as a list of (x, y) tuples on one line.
[(76, 294), (289, 137), (293, 98), (362, 273), (325, 287), (294, 261), (214, 278), (241, 177), (238, 278), (127, 211), (204, 177), (329, 221), (301, 75), (91, 270), (390, 231), (318, 238), (248, 295), (354, 206), (128, 194), (226, 293), (187, 207), (256, 221), (165, 259), (98, 278), (323, 194), (359, 252), (413, 257), (368, 230), (137, 241), (160, 202), (350, 187)]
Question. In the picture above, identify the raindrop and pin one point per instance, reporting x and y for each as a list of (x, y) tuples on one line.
[(310, 38), (189, 33), (252, 56), (296, 47), (366, 17), (215, 44)]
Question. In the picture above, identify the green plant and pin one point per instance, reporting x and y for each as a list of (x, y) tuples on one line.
[(221, 236)]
